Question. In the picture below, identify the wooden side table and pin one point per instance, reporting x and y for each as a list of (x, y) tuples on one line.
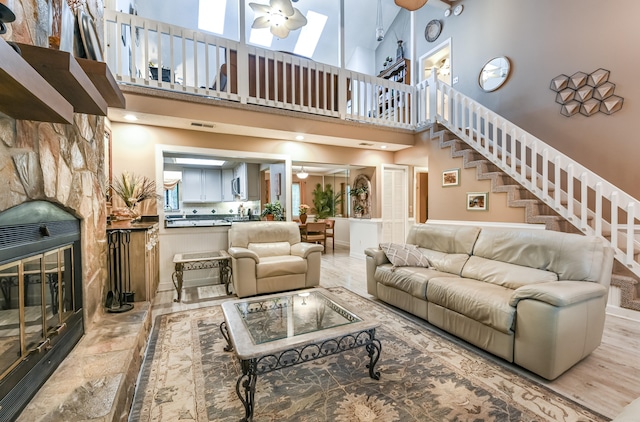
[(200, 261)]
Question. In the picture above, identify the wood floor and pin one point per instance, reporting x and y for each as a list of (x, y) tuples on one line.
[(605, 381)]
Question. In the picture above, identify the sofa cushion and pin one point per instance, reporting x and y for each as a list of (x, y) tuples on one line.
[(505, 274), (571, 256), (404, 255), (444, 238), (412, 280), (445, 262), (270, 248), (272, 266), (483, 302)]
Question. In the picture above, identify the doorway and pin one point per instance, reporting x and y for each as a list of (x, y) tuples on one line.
[(421, 194), (440, 59)]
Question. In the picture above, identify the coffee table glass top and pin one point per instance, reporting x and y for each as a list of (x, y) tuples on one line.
[(291, 315)]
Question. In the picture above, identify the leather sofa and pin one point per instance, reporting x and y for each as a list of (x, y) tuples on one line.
[(532, 297), (268, 257), (630, 413)]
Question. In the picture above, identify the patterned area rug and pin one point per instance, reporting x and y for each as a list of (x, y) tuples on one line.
[(187, 376)]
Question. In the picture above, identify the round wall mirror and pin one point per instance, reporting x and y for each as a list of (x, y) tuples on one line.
[(494, 74)]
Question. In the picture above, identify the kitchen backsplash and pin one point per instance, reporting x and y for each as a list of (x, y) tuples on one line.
[(218, 208)]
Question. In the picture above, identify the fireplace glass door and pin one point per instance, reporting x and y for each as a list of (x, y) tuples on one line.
[(36, 299)]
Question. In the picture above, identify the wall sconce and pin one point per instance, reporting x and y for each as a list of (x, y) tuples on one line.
[(302, 174), (280, 16)]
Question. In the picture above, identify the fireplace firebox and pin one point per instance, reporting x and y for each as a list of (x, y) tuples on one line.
[(40, 298)]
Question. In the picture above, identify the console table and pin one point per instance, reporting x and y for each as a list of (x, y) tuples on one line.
[(201, 261)]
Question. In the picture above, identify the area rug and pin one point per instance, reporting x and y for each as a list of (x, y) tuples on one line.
[(187, 376)]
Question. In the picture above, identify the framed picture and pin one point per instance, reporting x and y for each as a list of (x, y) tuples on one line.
[(451, 177), (477, 201)]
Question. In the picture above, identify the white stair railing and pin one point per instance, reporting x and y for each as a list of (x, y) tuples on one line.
[(590, 203), (153, 54)]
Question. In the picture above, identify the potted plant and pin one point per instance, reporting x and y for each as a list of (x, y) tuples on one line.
[(358, 210), (133, 189), (303, 212), (325, 201), (359, 191), (273, 211)]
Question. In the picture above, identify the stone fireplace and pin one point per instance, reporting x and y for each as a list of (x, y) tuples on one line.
[(40, 297)]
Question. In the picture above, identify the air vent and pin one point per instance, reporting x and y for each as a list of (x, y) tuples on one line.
[(365, 144), (207, 125)]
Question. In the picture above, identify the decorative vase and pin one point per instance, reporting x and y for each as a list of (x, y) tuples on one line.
[(400, 51), (303, 218)]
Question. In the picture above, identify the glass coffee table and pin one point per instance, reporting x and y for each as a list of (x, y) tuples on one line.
[(281, 330)]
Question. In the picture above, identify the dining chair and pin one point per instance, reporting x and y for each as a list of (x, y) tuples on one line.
[(315, 233), (329, 232)]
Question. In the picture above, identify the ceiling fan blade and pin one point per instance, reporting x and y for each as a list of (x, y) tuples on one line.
[(260, 9), (261, 22), (296, 21), (283, 5), (411, 5), (280, 31)]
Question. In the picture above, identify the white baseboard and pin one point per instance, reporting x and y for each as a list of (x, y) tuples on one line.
[(623, 313)]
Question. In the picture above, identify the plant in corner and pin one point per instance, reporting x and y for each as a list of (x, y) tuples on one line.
[(273, 211), (325, 201)]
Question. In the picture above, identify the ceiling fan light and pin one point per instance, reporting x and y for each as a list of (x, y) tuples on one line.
[(280, 16)]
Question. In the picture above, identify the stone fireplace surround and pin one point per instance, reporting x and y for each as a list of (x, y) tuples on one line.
[(62, 164)]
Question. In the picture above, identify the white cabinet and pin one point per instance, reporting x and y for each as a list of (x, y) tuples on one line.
[(249, 177), (227, 178), (201, 185)]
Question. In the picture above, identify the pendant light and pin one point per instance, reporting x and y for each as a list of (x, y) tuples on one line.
[(302, 174), (379, 27)]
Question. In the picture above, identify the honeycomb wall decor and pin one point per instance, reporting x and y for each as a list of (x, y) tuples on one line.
[(586, 94)]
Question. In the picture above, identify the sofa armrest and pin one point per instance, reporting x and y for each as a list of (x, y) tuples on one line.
[(303, 249), (237, 253), (378, 255), (559, 293)]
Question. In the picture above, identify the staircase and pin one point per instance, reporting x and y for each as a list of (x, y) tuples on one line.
[(536, 211)]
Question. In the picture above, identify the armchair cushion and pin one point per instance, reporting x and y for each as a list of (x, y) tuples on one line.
[(270, 249), (272, 266)]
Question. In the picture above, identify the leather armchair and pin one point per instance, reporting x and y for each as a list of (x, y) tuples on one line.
[(268, 257)]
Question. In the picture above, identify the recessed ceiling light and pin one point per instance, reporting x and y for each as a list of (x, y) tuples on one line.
[(299, 138), (383, 146), (130, 117)]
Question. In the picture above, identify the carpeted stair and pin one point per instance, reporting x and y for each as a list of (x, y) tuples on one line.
[(536, 211)]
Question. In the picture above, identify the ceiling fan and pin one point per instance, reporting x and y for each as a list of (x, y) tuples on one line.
[(280, 16)]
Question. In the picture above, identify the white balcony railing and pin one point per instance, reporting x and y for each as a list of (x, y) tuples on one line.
[(154, 54)]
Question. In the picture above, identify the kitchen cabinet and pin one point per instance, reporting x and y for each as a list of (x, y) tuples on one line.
[(249, 176), (227, 192), (201, 185)]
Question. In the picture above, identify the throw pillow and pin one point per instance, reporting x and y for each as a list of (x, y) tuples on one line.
[(404, 255)]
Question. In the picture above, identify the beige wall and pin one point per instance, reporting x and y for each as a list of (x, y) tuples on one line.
[(449, 203)]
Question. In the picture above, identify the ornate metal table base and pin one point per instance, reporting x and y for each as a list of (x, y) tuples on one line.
[(251, 368), (201, 261)]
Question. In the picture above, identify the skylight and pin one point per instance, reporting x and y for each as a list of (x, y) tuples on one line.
[(211, 14), (262, 37), (310, 34), (199, 161)]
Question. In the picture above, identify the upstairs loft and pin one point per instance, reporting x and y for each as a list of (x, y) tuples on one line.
[(146, 53)]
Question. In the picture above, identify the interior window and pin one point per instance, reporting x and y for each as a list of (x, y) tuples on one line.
[(171, 198)]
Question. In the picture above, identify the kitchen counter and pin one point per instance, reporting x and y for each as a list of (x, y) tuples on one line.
[(204, 221)]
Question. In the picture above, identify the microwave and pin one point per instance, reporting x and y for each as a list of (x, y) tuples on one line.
[(235, 186)]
